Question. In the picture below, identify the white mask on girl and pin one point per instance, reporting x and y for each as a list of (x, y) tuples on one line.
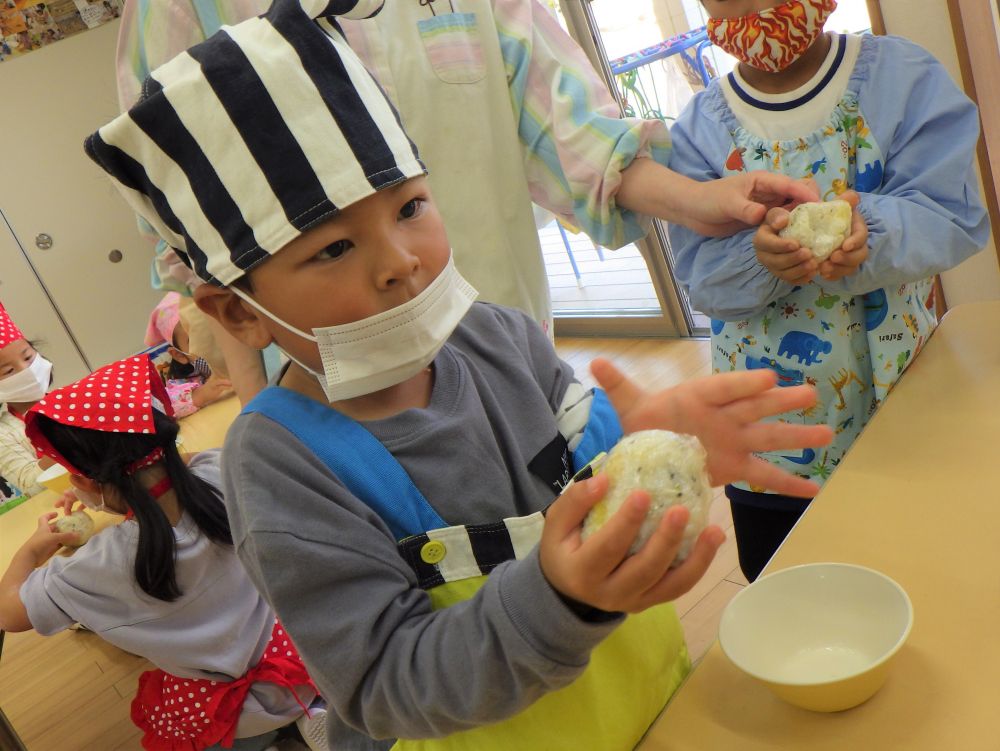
[(28, 385), (89, 500), (380, 351)]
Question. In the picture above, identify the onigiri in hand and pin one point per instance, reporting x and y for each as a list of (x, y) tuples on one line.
[(79, 522), (671, 468), (821, 227)]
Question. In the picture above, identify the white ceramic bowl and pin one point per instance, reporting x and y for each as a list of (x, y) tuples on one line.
[(820, 635)]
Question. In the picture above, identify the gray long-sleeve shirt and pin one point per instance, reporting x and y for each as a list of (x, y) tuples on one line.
[(387, 665)]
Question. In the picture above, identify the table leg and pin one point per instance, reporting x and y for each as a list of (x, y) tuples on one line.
[(9, 740)]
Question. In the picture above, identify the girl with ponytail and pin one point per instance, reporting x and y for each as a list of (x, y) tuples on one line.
[(165, 583)]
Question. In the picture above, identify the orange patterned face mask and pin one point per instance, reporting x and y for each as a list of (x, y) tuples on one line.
[(772, 39)]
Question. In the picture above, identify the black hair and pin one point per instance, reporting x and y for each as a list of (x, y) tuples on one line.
[(179, 369), (104, 457)]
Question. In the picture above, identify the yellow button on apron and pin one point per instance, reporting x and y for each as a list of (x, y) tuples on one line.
[(433, 551)]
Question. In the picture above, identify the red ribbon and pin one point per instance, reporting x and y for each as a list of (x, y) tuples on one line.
[(158, 708)]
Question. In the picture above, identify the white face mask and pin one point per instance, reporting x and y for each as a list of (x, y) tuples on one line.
[(380, 351), (89, 500), (28, 385)]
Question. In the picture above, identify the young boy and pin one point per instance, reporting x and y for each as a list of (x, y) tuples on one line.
[(387, 496), (874, 114)]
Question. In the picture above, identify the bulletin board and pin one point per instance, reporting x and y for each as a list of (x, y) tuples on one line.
[(28, 25)]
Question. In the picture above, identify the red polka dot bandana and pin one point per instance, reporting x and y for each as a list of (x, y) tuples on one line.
[(9, 332), (118, 398)]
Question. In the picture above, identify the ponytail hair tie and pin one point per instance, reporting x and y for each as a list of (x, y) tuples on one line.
[(147, 461)]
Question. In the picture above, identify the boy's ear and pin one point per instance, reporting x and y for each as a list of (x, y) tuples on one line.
[(235, 316)]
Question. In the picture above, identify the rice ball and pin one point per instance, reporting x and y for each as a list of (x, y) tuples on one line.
[(821, 227), (671, 468), (79, 522)]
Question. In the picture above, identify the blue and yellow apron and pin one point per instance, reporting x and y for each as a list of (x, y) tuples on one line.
[(631, 674)]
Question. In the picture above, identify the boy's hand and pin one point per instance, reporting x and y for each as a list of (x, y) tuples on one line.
[(599, 572), (722, 207), (45, 540), (723, 411), (848, 257), (782, 256)]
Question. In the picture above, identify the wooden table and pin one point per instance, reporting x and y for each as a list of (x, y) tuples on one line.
[(918, 498)]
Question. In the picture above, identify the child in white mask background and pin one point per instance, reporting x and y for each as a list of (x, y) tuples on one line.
[(409, 412), (872, 120), (25, 377)]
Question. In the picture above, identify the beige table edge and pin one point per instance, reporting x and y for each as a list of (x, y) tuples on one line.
[(918, 498)]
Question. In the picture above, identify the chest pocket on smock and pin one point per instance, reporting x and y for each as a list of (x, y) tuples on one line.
[(453, 48)]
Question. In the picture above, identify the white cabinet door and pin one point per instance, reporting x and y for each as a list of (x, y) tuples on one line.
[(23, 296), (53, 99)]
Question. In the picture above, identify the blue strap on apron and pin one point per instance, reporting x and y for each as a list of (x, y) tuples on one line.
[(602, 432), (355, 456), (372, 474)]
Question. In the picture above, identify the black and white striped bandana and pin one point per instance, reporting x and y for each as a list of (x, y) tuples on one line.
[(260, 132)]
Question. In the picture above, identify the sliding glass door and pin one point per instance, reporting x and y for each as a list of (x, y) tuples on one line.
[(596, 291)]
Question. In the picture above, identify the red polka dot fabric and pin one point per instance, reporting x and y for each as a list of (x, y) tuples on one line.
[(190, 714), (9, 332), (118, 398)]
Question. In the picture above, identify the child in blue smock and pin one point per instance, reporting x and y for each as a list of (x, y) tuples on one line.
[(875, 115)]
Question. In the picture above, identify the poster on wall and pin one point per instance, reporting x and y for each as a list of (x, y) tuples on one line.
[(27, 25)]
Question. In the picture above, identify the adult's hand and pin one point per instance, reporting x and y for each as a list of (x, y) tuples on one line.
[(730, 204), (715, 208)]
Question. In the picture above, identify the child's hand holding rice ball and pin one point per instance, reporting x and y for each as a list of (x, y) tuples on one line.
[(826, 238), (48, 537), (634, 535), (79, 523), (670, 467)]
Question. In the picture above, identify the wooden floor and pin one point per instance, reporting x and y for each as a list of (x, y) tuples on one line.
[(71, 692), (610, 282), (617, 281)]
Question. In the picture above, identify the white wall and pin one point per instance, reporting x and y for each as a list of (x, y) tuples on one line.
[(928, 23), (58, 96)]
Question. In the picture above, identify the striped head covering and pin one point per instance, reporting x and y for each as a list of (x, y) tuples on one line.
[(260, 132)]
